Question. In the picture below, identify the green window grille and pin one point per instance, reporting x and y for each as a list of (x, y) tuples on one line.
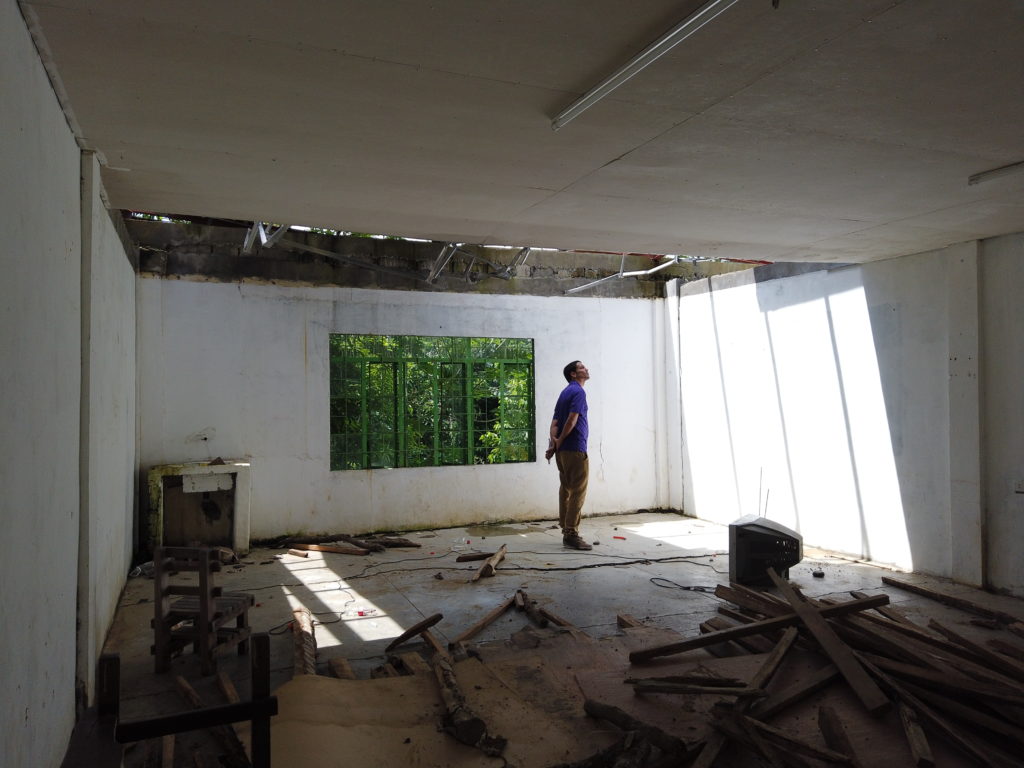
[(430, 401)]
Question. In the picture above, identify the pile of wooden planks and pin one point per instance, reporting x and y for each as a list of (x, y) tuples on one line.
[(939, 683)]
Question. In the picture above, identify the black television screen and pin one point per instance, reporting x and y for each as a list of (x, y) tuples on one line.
[(757, 544)]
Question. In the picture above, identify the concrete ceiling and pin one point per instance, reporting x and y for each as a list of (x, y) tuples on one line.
[(818, 131)]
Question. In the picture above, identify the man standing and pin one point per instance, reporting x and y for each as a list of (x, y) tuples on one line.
[(568, 444)]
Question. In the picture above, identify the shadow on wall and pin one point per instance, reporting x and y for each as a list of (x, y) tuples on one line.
[(808, 400)]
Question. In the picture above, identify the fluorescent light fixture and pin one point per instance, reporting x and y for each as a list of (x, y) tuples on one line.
[(703, 15), (995, 173)]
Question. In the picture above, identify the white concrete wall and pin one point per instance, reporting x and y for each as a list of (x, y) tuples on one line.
[(242, 371), (39, 410), (1002, 270), (826, 399), (108, 445)]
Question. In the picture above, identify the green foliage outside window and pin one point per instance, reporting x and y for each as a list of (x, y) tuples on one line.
[(428, 401)]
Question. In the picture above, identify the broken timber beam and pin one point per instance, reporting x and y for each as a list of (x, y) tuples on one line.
[(870, 695), (488, 568), (471, 556), (305, 642), (416, 629), (459, 720), (486, 620), (754, 628), (524, 603)]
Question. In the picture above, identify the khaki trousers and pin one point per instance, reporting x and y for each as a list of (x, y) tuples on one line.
[(573, 472)]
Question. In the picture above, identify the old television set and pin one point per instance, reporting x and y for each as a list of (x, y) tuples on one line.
[(757, 544)]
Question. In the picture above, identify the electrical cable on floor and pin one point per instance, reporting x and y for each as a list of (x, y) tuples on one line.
[(669, 584), (622, 560)]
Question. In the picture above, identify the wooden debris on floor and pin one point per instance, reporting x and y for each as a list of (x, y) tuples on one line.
[(812, 682), (488, 568)]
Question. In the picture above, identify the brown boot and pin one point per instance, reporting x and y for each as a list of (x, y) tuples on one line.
[(573, 541)]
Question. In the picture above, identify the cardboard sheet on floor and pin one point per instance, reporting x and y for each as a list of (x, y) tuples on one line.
[(394, 721)]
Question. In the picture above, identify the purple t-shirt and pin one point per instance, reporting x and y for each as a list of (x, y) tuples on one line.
[(573, 400)]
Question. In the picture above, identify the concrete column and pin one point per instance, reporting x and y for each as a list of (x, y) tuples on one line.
[(966, 533)]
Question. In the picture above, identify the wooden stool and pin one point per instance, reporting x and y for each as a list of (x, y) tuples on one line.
[(201, 614)]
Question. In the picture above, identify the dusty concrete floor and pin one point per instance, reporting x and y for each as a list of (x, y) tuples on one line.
[(651, 566)]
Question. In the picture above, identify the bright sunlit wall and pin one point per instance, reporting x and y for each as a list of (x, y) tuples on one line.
[(823, 401)]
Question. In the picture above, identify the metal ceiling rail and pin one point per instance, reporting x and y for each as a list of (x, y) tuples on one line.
[(622, 273), (692, 23)]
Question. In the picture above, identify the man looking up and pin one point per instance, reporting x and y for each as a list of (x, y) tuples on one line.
[(568, 444)]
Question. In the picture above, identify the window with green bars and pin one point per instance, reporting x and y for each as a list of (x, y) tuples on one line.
[(429, 401)]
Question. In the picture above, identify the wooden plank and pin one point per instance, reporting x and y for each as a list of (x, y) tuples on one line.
[(557, 620), (972, 715), (983, 753), (920, 749), (954, 684), (167, 751), (224, 734), (666, 742), (954, 663), (489, 567), (335, 549), (753, 644), (718, 739), (1008, 667), (750, 600), (491, 616), (755, 628), (414, 664), (722, 650), (227, 687), (952, 600), (384, 670), (341, 668), (725, 729), (642, 685), (624, 620), (416, 629), (907, 629), (435, 644), (1007, 649), (260, 676), (890, 612), (870, 695), (298, 553), (788, 741), (791, 694), (835, 735)]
